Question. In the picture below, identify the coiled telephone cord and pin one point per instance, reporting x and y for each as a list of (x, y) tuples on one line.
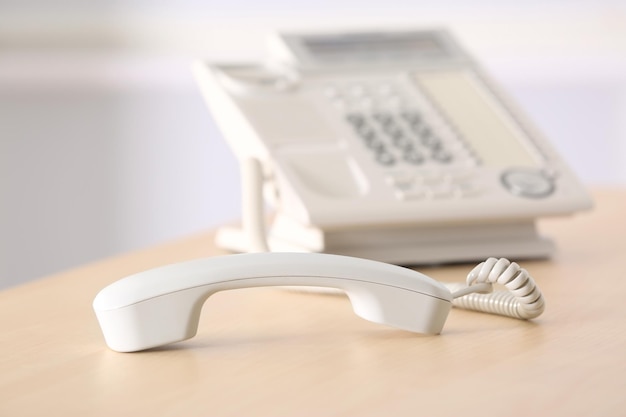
[(523, 300)]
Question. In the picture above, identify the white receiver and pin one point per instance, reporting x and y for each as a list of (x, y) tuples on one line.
[(162, 305)]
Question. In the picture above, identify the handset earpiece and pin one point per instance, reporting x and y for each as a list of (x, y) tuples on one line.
[(162, 305)]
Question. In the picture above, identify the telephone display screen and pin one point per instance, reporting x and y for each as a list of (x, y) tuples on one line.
[(374, 47)]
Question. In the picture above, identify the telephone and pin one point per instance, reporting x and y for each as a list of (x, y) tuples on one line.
[(389, 145)]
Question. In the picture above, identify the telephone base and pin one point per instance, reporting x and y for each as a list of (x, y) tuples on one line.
[(415, 245)]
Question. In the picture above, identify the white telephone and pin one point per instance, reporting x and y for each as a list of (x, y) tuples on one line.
[(391, 146)]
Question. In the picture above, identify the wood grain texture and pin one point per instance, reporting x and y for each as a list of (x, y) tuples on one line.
[(271, 352)]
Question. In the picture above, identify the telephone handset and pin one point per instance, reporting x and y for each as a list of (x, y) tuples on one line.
[(163, 305), (391, 146)]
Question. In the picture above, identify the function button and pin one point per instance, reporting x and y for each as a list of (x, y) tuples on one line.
[(468, 162), (395, 177), (431, 178), (528, 183), (440, 192), (402, 183), (458, 175), (466, 190), (411, 195)]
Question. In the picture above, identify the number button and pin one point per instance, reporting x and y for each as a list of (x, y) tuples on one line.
[(442, 156), (413, 157), (383, 157), (412, 118), (383, 118), (402, 141), (355, 119)]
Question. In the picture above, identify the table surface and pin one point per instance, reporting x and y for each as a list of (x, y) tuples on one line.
[(268, 351)]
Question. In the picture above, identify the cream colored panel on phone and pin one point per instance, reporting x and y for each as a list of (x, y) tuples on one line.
[(286, 121), (478, 117), (329, 174)]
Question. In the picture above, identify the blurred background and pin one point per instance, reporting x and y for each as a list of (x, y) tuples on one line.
[(106, 145)]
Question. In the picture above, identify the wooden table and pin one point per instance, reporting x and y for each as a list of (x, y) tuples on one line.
[(262, 352)]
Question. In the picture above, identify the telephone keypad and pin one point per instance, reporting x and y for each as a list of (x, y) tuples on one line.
[(382, 131), (400, 139)]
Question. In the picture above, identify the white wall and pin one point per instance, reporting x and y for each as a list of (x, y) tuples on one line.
[(106, 146)]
